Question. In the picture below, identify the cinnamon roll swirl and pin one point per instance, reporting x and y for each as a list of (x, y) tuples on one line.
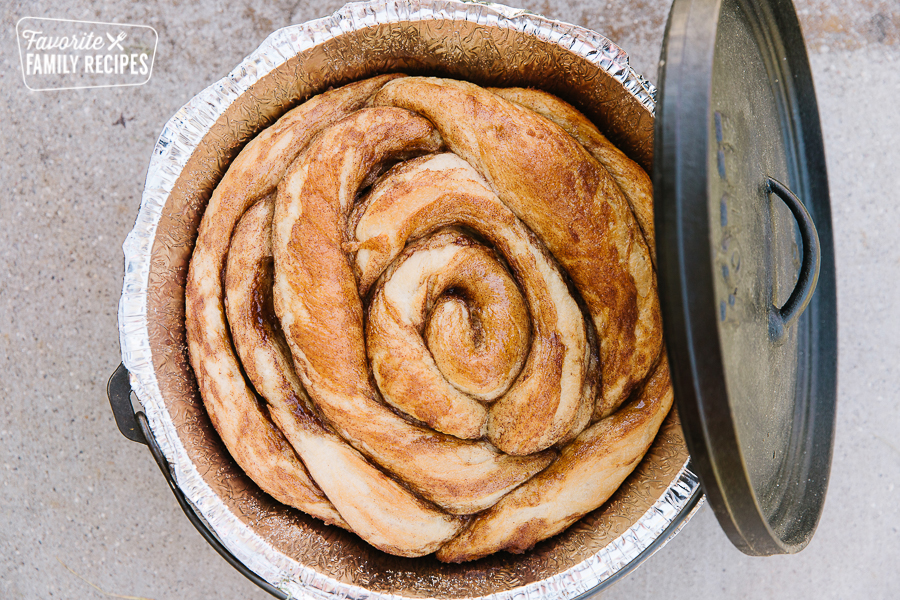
[(426, 312)]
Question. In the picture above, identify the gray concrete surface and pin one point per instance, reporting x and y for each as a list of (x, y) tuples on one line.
[(85, 513)]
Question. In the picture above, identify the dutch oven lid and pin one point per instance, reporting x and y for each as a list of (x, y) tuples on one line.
[(746, 265)]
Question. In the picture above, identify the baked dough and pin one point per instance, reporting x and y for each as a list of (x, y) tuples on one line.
[(628, 175), (568, 200), (586, 474), (250, 436), (375, 506), (321, 312), (426, 312), (553, 397)]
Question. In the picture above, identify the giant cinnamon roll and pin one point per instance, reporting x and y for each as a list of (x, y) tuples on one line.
[(426, 312)]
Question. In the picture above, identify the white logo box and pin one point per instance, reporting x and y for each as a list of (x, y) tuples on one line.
[(64, 54)]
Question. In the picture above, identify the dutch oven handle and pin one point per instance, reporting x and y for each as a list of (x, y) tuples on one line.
[(118, 390), (134, 426)]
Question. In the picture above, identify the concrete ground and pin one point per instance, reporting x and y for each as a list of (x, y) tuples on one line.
[(85, 513)]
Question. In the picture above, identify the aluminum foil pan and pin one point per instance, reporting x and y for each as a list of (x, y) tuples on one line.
[(489, 44)]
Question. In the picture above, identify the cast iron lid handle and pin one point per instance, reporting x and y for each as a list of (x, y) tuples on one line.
[(781, 319)]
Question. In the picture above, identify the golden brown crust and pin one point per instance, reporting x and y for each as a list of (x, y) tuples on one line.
[(552, 398), (560, 191), (377, 508), (478, 332), (318, 303), (428, 349), (256, 445), (406, 361), (248, 284), (628, 175), (586, 474)]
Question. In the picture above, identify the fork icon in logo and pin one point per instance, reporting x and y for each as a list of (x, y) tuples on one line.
[(115, 41)]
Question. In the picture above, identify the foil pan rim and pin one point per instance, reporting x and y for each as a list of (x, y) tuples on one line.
[(180, 137)]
